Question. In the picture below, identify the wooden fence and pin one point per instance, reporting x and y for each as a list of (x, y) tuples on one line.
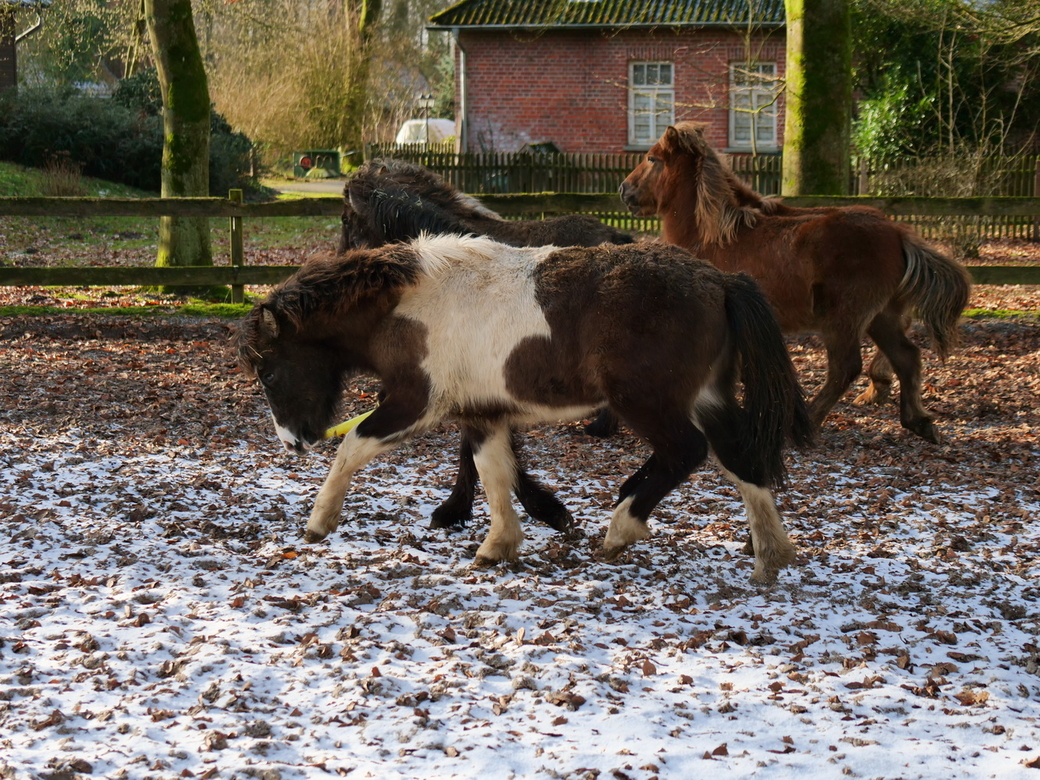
[(238, 274), (518, 172)]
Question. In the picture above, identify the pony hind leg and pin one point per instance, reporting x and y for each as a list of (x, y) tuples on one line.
[(879, 390), (604, 426), (844, 364), (538, 500), (496, 464), (888, 329), (678, 449), (769, 541)]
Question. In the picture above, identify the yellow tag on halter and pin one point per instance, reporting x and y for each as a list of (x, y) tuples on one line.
[(345, 427)]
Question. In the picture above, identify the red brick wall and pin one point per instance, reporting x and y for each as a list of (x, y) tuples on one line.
[(571, 87)]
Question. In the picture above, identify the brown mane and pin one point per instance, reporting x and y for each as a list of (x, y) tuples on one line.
[(724, 203)]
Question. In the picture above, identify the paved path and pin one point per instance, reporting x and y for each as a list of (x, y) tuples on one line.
[(310, 186)]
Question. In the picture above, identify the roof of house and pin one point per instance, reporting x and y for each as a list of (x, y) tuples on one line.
[(613, 14)]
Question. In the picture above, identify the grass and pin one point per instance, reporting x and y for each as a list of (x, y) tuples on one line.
[(103, 241), (202, 310)]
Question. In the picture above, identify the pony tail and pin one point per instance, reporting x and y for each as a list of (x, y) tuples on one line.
[(774, 404), (938, 288)]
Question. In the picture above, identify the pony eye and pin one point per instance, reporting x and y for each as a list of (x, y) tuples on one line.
[(268, 378)]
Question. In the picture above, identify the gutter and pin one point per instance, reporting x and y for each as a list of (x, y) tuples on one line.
[(32, 29), (540, 28), (462, 108)]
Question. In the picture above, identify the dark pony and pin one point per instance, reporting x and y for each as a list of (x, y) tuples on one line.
[(841, 272), (496, 337), (390, 200), (387, 201)]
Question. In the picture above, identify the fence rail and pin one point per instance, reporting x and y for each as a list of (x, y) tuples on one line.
[(509, 205), (483, 173)]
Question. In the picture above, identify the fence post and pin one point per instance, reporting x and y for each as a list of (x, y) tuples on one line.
[(238, 291), (1036, 194)]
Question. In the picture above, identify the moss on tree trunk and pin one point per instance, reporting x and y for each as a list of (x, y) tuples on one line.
[(186, 126), (819, 98)]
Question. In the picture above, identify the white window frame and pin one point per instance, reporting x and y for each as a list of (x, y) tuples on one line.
[(651, 100), (753, 89)]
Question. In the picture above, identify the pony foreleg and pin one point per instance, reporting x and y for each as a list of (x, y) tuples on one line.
[(353, 453), (538, 500), (496, 464)]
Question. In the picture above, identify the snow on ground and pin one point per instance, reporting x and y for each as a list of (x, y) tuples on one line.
[(160, 616)]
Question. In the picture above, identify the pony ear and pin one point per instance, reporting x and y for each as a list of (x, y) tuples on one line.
[(268, 323), (356, 204)]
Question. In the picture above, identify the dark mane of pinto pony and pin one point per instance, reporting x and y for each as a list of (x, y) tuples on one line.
[(326, 285)]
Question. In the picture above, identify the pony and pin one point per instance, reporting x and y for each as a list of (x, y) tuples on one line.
[(392, 200), (842, 272), (496, 337), (387, 201)]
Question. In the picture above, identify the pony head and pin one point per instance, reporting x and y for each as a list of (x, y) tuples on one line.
[(682, 174), (387, 201), (300, 378)]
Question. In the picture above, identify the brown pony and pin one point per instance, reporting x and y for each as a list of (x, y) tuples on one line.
[(841, 272), (496, 337)]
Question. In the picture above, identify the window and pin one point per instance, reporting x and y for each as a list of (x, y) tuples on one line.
[(752, 105), (651, 101)]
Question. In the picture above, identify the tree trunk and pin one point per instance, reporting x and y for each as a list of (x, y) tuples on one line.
[(186, 129), (361, 16), (819, 98)]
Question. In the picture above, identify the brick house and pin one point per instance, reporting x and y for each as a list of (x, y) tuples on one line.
[(610, 75)]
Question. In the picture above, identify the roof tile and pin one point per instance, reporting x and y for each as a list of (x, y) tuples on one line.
[(609, 13)]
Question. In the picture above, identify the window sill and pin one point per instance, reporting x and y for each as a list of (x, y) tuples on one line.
[(749, 150)]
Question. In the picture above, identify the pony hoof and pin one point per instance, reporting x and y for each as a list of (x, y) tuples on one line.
[(873, 396), (765, 578), (447, 518), (558, 521), (311, 537), (925, 429), (602, 428), (483, 562), (611, 554)]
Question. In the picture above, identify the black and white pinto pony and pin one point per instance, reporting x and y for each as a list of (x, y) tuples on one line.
[(387, 201), (496, 337)]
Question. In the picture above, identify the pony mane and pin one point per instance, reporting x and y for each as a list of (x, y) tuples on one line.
[(397, 176), (328, 284), (724, 203)]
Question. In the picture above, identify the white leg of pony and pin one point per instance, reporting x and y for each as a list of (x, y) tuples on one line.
[(625, 529), (773, 549), (497, 469), (353, 453)]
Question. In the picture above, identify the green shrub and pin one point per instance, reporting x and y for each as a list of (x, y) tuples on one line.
[(118, 139)]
